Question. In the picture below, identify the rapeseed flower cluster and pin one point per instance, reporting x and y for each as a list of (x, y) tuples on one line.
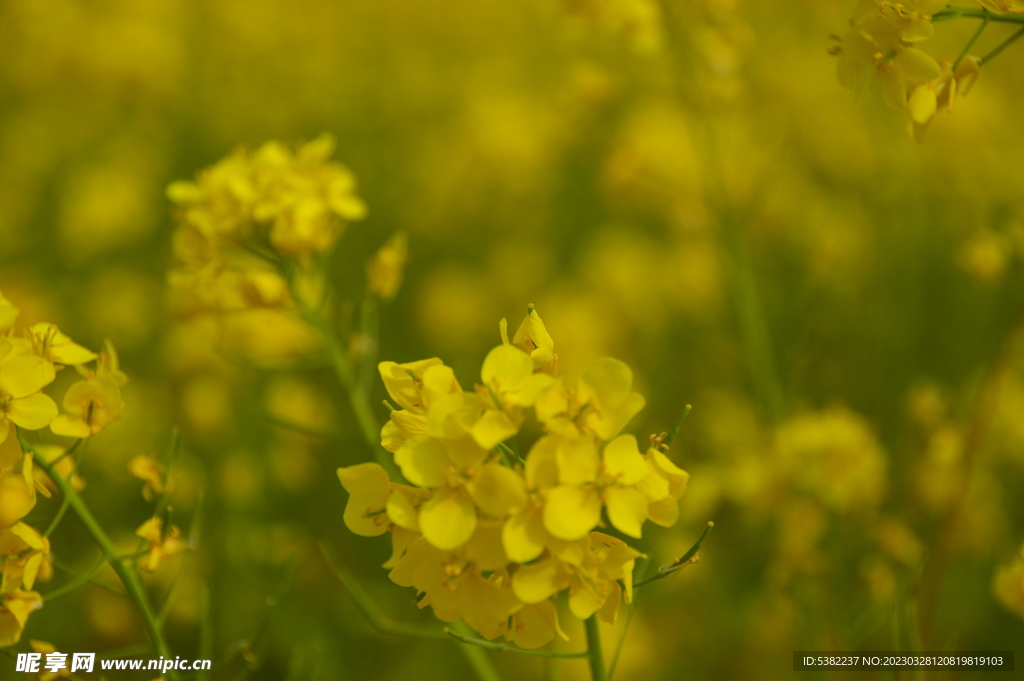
[(29, 363), (250, 209), (490, 538), (881, 47)]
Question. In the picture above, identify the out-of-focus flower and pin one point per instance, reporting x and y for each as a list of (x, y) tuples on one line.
[(384, 271), (91, 405), (1003, 6), (26, 554), (15, 608), (45, 649), (834, 456), (17, 492), (150, 471), (1008, 585), (162, 545), (930, 97)]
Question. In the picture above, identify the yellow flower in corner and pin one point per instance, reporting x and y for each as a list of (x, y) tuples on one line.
[(161, 545), (15, 608), (1008, 585), (1003, 6), (91, 405)]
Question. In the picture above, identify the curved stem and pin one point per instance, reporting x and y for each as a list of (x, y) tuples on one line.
[(368, 426), (597, 672), (951, 13), (1001, 46), (64, 504), (675, 565), (505, 648), (970, 44), (131, 581)]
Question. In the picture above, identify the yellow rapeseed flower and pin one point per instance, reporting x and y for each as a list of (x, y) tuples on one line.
[(161, 545), (150, 471), (15, 608), (384, 271)]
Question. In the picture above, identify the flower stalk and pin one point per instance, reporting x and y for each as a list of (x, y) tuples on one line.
[(130, 579)]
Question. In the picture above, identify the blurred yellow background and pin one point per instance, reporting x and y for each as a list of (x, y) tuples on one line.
[(682, 184)]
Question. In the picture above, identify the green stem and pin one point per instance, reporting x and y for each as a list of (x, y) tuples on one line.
[(679, 424), (951, 13), (970, 44), (368, 425), (131, 581), (505, 648), (1002, 46), (510, 456), (674, 566), (64, 504), (594, 649), (78, 581), (477, 658)]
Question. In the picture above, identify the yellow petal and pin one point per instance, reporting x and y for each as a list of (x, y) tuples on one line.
[(505, 367), (578, 462), (916, 65), (496, 490), (588, 600), (627, 509), (608, 423), (528, 391), (32, 412), (438, 380), (536, 583), (493, 428), (424, 461), (607, 382), (368, 488), (448, 520), (922, 105), (401, 538), (484, 549), (623, 461), (542, 463), (664, 511), (401, 509), (678, 479), (534, 625), (523, 535), (572, 511), (25, 374)]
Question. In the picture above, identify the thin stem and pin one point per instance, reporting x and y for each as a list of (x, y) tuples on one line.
[(957, 12), (357, 398), (205, 632), (477, 657), (371, 611), (78, 581), (640, 570), (1002, 46), (505, 648), (299, 428), (675, 565), (510, 456), (597, 672), (64, 504), (133, 585), (970, 43), (679, 424)]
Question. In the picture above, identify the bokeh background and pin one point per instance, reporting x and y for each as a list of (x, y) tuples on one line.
[(683, 185)]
